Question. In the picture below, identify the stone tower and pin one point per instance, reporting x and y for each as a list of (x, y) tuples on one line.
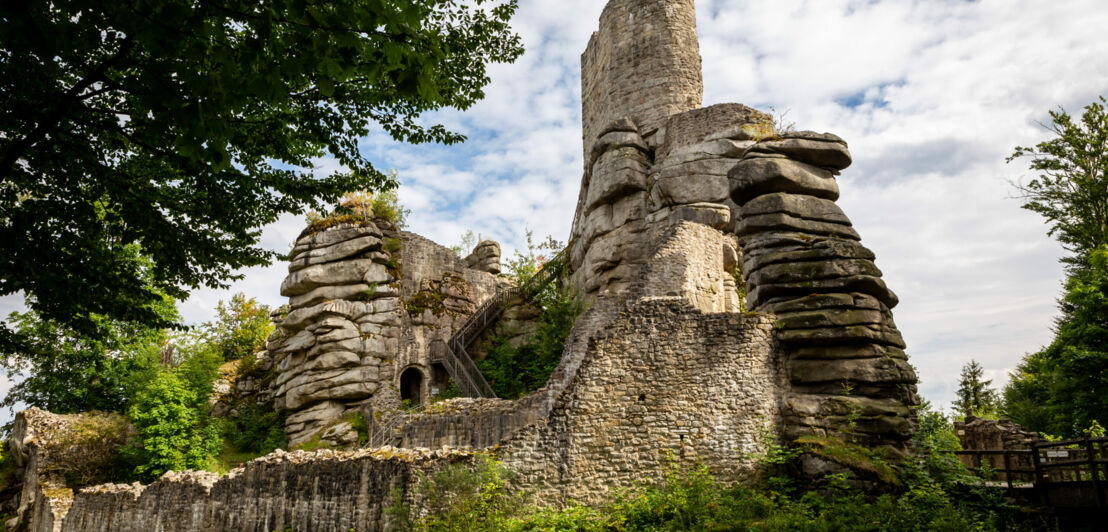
[(655, 159)]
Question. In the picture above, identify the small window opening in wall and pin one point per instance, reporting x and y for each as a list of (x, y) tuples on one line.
[(411, 386), (682, 437), (642, 396)]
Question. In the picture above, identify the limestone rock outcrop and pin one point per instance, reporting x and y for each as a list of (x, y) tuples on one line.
[(365, 303), (333, 348), (485, 257), (803, 262)]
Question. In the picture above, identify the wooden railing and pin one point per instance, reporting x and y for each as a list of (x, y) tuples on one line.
[(456, 359), (1074, 469)]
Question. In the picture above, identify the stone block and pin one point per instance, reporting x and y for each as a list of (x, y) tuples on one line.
[(754, 177), (817, 152), (617, 173), (333, 273), (797, 205), (713, 215), (866, 284), (763, 223), (686, 189), (342, 250)]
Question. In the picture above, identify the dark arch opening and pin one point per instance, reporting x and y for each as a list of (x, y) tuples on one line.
[(411, 386)]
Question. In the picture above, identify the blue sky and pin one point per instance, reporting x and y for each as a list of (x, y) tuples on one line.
[(931, 95)]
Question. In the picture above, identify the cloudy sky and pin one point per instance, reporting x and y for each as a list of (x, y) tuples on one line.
[(932, 96)]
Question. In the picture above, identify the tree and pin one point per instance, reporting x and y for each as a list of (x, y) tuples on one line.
[(1063, 389), (65, 370), (975, 396), (1071, 190), (174, 435), (241, 327), (186, 126)]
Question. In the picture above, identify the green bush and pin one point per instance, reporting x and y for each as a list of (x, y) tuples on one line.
[(516, 371), (88, 450), (173, 433), (477, 498), (254, 430), (463, 497)]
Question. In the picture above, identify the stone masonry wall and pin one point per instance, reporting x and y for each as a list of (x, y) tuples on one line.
[(643, 63), (663, 385), (694, 261), (324, 490)]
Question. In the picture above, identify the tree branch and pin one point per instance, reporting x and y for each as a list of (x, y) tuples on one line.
[(16, 150)]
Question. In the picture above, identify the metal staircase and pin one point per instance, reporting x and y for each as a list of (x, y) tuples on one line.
[(456, 359)]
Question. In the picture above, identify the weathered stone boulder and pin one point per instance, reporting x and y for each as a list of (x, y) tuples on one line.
[(485, 257), (755, 176), (819, 149)]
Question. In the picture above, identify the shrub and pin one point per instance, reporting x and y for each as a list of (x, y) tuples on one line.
[(87, 451), (464, 497), (516, 371), (173, 433), (242, 327), (254, 430)]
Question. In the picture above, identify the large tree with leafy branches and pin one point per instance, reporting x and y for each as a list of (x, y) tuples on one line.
[(1063, 389), (1071, 187), (186, 126)]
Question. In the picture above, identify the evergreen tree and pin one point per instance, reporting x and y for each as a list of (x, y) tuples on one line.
[(1063, 389), (975, 395)]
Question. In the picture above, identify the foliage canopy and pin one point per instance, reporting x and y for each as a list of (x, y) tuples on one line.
[(67, 370), (1071, 189), (1061, 389), (186, 126)]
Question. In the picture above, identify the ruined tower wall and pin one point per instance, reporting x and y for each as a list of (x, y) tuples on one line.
[(643, 64), (663, 385)]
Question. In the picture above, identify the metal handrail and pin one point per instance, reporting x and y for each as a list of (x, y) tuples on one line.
[(471, 382)]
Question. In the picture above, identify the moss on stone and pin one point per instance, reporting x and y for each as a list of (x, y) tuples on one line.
[(850, 455), (426, 300)]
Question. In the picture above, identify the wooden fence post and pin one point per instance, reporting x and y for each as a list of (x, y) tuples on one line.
[(1008, 470), (1040, 481), (1094, 468)]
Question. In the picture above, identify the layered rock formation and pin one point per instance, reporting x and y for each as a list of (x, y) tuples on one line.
[(803, 262), (365, 303), (334, 350), (485, 257)]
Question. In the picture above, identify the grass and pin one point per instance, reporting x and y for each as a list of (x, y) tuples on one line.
[(230, 458)]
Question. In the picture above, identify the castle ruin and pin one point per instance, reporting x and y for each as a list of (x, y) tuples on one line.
[(730, 302)]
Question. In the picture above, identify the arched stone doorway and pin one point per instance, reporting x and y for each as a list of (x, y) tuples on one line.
[(411, 386)]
